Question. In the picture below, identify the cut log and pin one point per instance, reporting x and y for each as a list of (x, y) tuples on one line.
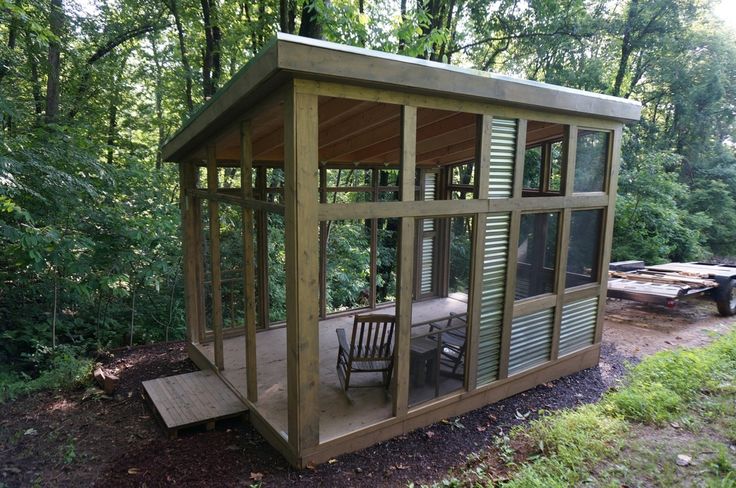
[(106, 380)]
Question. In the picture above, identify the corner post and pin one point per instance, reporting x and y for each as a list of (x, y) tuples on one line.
[(302, 267), (405, 282), (187, 174), (614, 164)]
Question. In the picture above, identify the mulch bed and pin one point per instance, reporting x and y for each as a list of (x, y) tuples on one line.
[(80, 439)]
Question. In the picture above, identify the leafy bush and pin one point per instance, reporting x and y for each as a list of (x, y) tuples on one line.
[(61, 369)]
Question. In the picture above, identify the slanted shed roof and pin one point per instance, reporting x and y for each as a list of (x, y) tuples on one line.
[(289, 56)]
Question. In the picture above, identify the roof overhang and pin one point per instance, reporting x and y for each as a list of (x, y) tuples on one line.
[(289, 56)]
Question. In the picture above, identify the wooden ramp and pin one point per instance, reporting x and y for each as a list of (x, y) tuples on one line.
[(191, 399)]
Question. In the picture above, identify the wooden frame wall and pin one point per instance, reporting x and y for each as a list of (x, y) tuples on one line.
[(304, 214)]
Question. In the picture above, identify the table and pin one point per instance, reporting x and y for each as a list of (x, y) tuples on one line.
[(423, 367)]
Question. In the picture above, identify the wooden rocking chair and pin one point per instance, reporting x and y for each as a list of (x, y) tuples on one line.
[(452, 349), (370, 349)]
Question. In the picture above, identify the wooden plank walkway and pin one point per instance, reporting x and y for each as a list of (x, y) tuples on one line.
[(191, 399)]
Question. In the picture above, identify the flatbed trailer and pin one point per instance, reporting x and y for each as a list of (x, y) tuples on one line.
[(666, 284)]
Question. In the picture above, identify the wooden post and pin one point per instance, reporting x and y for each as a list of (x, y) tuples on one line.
[(187, 172), (262, 245), (519, 159), (570, 148), (483, 158), (302, 268), (614, 154), (249, 279), (400, 386), (563, 239), (509, 295), (216, 287)]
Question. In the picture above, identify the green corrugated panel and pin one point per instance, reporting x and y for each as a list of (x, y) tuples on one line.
[(502, 158), (577, 329), (531, 340), (495, 255)]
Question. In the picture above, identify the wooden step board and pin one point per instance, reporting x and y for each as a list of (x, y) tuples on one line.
[(191, 399)]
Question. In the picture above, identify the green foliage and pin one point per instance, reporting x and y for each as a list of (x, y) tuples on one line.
[(570, 442), (663, 385), (58, 369), (650, 225)]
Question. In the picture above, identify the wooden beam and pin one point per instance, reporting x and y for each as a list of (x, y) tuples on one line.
[(249, 277), (483, 157), (571, 148), (563, 239), (474, 298), (302, 269), (262, 250), (520, 157), (614, 156), (187, 175), (216, 286), (449, 208), (343, 90), (483, 145), (404, 276), (509, 295), (244, 202)]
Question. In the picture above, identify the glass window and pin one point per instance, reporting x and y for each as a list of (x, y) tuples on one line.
[(583, 256), (555, 168), (543, 159), (591, 159), (533, 168), (537, 254)]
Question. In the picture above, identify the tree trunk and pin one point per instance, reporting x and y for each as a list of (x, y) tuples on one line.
[(132, 318), (31, 55), (311, 26), (56, 19), (174, 8), (56, 307), (112, 125), (211, 67), (402, 41), (158, 96), (12, 38)]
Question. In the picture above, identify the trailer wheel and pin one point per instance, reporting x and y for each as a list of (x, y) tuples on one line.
[(726, 297)]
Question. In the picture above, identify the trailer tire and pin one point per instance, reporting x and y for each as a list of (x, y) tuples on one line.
[(726, 297)]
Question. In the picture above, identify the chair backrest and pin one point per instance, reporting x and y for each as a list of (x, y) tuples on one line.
[(372, 337)]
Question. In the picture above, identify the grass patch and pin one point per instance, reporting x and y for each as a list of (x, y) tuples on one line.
[(673, 402), (569, 444), (61, 370), (662, 386)]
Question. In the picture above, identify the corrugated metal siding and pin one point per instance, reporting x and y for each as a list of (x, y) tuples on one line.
[(531, 340), (503, 153), (430, 186), (427, 256), (495, 255), (577, 329), (430, 193)]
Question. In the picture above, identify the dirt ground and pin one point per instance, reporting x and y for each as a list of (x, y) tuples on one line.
[(83, 439), (638, 329)]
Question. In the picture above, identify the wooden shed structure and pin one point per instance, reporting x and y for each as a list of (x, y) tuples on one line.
[(325, 181)]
